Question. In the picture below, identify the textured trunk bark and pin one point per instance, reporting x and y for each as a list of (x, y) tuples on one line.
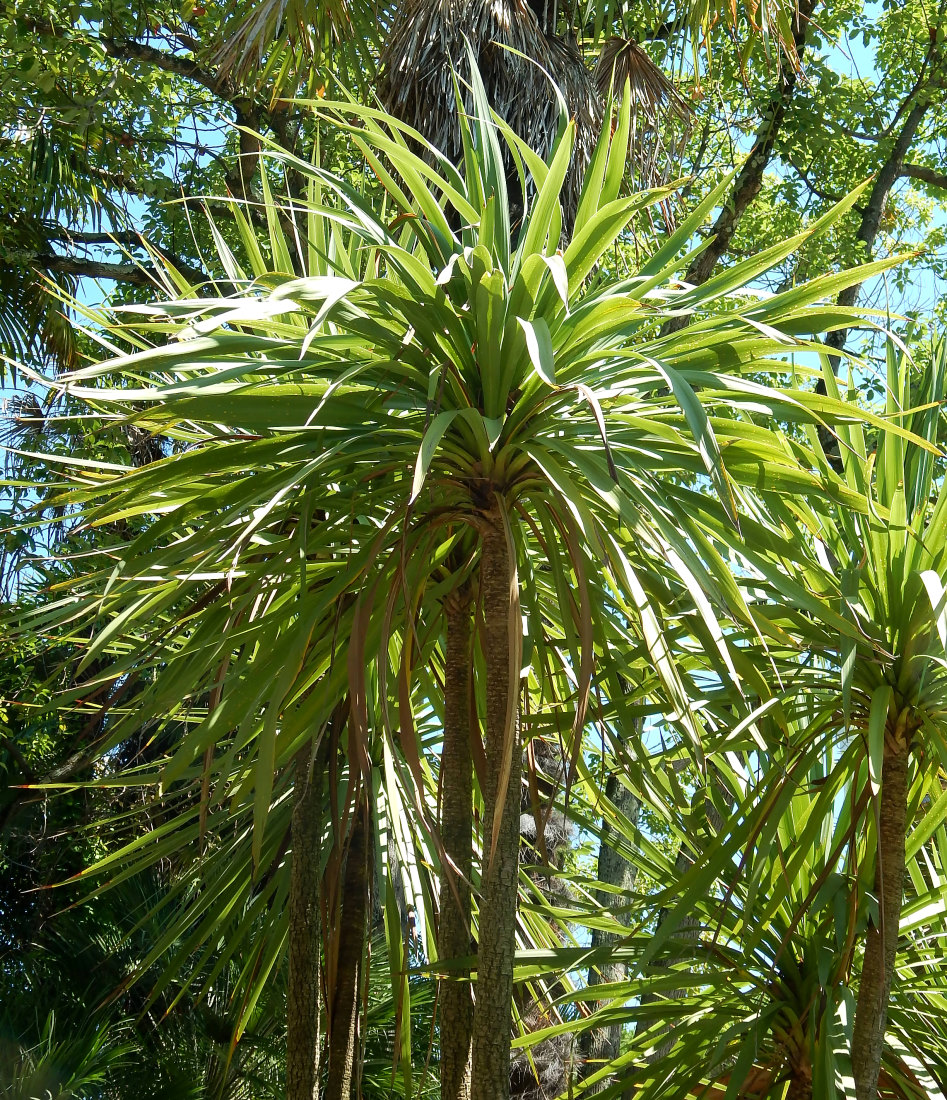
[(800, 1086), (456, 829), (601, 1044), (305, 931), (344, 999), (881, 943), (490, 1078)]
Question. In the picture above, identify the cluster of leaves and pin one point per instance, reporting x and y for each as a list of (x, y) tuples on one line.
[(346, 380)]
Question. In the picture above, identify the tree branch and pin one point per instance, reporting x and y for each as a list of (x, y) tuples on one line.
[(129, 49), (803, 174), (115, 181), (248, 114), (924, 174), (874, 208), (750, 179), (126, 240), (123, 272), (865, 237), (119, 239)]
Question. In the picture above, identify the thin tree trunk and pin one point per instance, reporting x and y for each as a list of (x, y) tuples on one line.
[(868, 227), (601, 1044), (490, 1078), (873, 209), (344, 999), (749, 181), (456, 831), (881, 943), (305, 931), (688, 930)]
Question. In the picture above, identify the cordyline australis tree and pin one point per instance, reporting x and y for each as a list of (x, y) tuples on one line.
[(871, 592), (853, 617), (764, 1006), (432, 414), (894, 668)]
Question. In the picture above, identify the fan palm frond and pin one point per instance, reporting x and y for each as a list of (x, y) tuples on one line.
[(660, 116), (33, 326), (523, 69), (23, 421), (765, 23), (289, 44)]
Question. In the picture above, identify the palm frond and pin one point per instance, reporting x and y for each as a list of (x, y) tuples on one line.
[(523, 70), (293, 46), (660, 116)]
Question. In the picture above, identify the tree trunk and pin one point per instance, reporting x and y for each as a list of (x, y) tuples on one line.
[(456, 831), (601, 1044), (305, 931), (881, 943), (344, 998), (800, 1085), (490, 1078), (873, 210), (749, 181)]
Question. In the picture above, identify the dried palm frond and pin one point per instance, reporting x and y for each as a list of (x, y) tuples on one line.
[(290, 44), (143, 446), (768, 23), (545, 1068), (251, 39), (660, 116), (578, 88), (428, 47), (22, 421)]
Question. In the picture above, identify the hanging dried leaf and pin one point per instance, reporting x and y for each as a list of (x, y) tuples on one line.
[(517, 61), (660, 116)]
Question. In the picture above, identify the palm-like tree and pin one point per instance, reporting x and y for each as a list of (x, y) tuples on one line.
[(296, 42), (759, 1002), (445, 400), (864, 595), (892, 565), (527, 70)]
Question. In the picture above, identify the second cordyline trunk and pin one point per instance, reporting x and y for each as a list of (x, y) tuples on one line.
[(305, 931), (490, 1079), (456, 829), (881, 942), (600, 1045), (344, 998)]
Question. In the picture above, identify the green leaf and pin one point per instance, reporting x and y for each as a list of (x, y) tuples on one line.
[(432, 437), (539, 346), (881, 699)]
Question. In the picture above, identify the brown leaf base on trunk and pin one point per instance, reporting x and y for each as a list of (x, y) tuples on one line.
[(881, 943), (800, 1084)]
